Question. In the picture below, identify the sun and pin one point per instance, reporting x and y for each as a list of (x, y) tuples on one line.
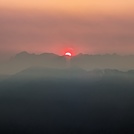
[(68, 54)]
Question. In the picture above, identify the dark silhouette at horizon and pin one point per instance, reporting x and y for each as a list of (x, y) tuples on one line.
[(41, 94)]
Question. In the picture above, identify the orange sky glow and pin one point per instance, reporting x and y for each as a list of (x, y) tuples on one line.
[(69, 5), (87, 26)]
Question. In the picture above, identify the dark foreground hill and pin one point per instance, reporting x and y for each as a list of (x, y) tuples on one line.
[(73, 102)]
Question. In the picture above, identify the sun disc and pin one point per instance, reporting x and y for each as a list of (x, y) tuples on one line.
[(68, 54)]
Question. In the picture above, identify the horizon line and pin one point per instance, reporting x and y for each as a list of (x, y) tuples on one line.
[(99, 54)]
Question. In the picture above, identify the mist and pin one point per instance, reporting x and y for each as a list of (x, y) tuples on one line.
[(44, 100), (66, 67)]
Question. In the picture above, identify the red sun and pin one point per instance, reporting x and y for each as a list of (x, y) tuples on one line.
[(68, 54)]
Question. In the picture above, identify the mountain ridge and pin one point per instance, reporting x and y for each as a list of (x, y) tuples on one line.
[(40, 73), (25, 60)]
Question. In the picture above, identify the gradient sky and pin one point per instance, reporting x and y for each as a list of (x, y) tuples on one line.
[(87, 26)]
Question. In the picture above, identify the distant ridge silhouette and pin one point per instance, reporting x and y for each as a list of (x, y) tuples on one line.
[(26, 60)]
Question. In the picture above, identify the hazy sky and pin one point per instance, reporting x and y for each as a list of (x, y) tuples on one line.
[(87, 26)]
